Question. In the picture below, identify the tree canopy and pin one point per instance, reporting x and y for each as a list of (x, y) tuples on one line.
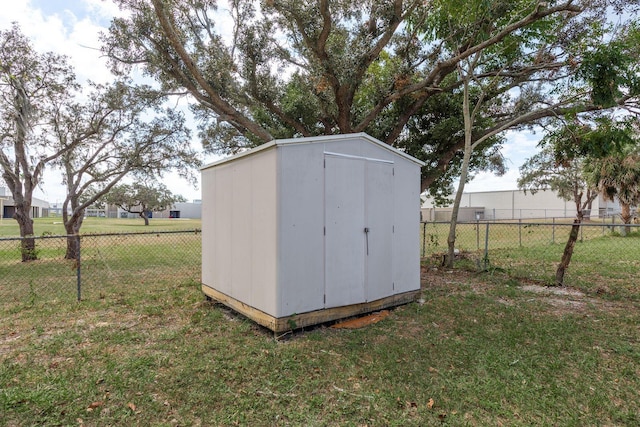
[(31, 84), (94, 134), (142, 198), (120, 131), (300, 68)]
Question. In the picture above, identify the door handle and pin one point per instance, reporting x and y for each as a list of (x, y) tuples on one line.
[(366, 233)]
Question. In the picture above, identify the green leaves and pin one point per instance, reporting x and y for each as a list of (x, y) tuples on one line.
[(611, 69), (303, 68), (603, 137)]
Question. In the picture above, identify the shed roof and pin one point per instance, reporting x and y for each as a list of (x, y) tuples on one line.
[(313, 140)]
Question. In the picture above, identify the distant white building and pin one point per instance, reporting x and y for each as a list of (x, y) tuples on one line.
[(514, 204), (39, 207), (190, 210)]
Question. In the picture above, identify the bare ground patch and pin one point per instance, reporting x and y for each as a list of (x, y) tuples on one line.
[(561, 299)]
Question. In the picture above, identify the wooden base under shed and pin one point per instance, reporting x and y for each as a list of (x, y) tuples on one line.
[(300, 320)]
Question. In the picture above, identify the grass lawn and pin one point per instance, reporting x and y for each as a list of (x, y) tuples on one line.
[(604, 263), (53, 225), (477, 350)]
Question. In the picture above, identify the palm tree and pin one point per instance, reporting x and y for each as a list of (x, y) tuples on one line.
[(618, 177)]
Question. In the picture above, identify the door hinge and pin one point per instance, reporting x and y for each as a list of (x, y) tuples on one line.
[(324, 299), (324, 231), (393, 171), (393, 228), (393, 286)]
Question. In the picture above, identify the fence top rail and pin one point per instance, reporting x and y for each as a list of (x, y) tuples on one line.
[(555, 224), (131, 233)]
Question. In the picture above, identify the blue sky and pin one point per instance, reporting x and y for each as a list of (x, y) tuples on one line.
[(71, 27)]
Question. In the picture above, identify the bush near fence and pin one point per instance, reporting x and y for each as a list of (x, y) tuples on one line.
[(109, 265), (606, 255)]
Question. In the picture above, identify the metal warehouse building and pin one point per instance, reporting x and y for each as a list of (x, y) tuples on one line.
[(515, 204)]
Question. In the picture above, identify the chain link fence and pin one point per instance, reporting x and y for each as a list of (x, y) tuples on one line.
[(606, 257), (106, 266), (605, 254)]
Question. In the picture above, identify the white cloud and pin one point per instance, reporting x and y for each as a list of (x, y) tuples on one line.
[(104, 10), (519, 146), (64, 33), (486, 181)]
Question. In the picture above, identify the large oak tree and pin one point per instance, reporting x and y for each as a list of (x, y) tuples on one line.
[(142, 198), (30, 84), (95, 137), (119, 131), (268, 69)]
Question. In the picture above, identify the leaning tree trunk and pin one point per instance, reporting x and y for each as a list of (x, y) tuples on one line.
[(568, 250), (25, 223), (625, 215), (73, 247), (466, 158)]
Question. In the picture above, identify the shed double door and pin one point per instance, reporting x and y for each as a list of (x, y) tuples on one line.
[(358, 229)]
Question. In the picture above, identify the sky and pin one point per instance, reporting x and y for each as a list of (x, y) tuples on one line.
[(72, 28)]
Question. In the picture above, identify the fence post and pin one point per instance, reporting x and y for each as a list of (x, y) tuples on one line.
[(424, 239), (78, 273), (553, 231), (486, 247), (520, 232), (477, 234)]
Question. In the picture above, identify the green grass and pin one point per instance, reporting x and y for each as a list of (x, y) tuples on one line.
[(53, 225), (110, 266), (603, 261), (145, 348), (485, 350)]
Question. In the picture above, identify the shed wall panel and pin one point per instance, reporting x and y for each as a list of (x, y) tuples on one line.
[(406, 241), (300, 229), (239, 259), (240, 225), (209, 227), (223, 237), (375, 152), (263, 226)]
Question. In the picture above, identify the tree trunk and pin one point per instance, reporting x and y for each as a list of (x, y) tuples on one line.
[(625, 214), (72, 228), (568, 250), (72, 225), (25, 223), (451, 239), (73, 248), (468, 127), (144, 216)]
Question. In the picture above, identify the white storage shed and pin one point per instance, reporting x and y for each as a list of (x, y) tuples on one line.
[(302, 231)]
